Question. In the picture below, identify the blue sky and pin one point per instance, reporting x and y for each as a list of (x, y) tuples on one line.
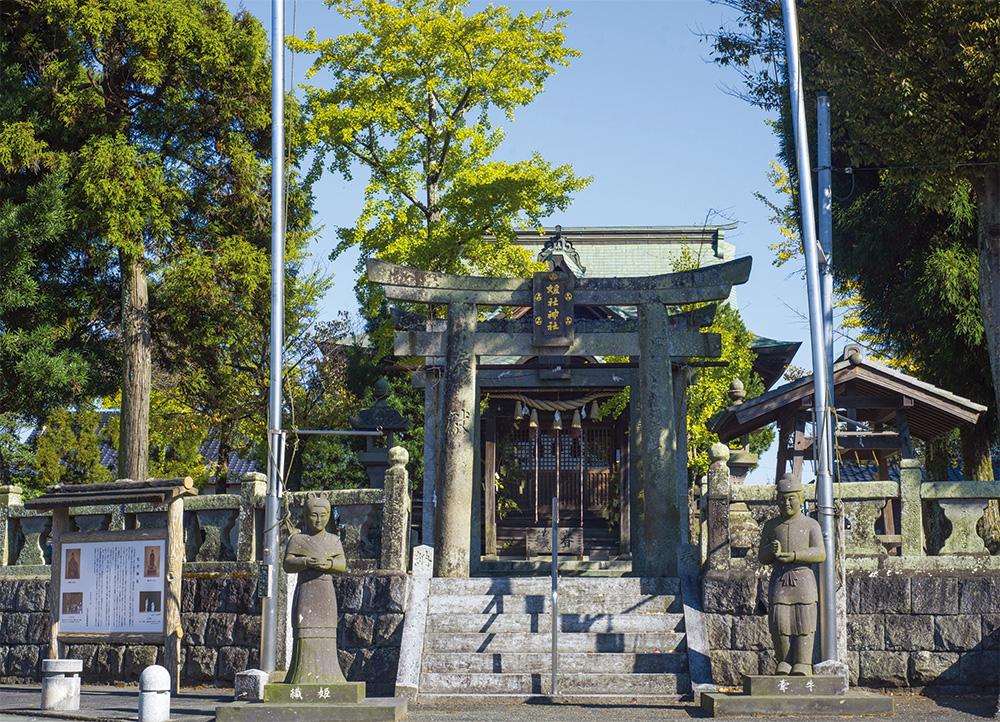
[(645, 113)]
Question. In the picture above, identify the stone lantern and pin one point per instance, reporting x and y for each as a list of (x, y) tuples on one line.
[(379, 417)]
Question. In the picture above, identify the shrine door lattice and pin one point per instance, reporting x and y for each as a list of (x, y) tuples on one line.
[(580, 467)]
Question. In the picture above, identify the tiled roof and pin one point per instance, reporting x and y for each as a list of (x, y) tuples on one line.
[(238, 465), (852, 471)]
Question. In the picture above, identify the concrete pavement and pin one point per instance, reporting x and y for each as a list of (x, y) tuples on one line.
[(116, 704)]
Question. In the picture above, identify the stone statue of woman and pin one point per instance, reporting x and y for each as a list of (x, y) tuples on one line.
[(792, 542), (315, 556)]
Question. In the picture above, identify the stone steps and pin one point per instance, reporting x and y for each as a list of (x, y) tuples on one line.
[(569, 662), (497, 623), (569, 603), (638, 586), (540, 683), (542, 566), (492, 636), (632, 642)]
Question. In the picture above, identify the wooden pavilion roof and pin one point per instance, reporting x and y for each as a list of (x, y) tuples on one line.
[(874, 391)]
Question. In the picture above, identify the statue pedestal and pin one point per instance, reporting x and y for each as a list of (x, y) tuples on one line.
[(315, 703), (779, 695)]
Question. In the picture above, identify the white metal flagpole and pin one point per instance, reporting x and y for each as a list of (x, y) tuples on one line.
[(269, 616), (822, 429)]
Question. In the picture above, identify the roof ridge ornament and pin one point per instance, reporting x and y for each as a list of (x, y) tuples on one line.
[(560, 247)]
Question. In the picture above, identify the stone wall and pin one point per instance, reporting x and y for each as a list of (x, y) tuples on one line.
[(939, 630), (221, 619)]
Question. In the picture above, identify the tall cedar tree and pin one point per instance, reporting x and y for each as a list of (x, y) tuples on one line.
[(148, 120)]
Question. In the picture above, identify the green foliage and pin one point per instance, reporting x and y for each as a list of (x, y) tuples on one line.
[(68, 449), (913, 86), (140, 130), (415, 91), (708, 394)]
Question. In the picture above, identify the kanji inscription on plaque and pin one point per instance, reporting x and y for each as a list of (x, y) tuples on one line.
[(552, 296)]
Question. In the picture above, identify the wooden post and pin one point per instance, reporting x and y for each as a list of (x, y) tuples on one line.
[(489, 483), (624, 540), (172, 630), (453, 521), (660, 516), (60, 526)]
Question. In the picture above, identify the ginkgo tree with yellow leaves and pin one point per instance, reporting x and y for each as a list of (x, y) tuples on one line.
[(414, 98)]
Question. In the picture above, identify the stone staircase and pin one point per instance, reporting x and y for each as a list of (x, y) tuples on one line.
[(619, 636)]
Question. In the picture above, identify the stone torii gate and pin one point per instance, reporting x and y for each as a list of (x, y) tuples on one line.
[(657, 338)]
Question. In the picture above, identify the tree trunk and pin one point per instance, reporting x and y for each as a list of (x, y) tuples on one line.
[(133, 444), (222, 460), (977, 462), (987, 188), (936, 460)]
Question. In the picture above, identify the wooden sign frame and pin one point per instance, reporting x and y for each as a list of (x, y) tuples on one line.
[(172, 633)]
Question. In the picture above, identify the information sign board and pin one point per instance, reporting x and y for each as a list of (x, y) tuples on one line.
[(112, 586)]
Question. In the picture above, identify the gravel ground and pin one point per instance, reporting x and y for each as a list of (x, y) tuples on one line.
[(111, 704)]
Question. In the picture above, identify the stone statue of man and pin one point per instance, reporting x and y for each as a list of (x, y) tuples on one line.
[(792, 542), (316, 556)]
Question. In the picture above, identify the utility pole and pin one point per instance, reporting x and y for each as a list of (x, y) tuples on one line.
[(275, 439), (822, 429)]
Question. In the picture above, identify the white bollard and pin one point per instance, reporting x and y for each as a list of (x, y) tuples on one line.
[(61, 684), (154, 694)]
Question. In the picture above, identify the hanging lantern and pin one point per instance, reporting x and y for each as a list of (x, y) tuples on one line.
[(583, 412), (595, 411), (518, 410), (533, 420), (557, 422), (576, 419)]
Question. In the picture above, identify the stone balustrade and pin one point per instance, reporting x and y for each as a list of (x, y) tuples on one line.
[(220, 608), (731, 516)]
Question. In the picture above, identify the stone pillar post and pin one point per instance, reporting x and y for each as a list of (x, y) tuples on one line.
[(911, 511), (718, 508), (660, 516), (396, 512), (9, 496), (253, 487), (453, 521)]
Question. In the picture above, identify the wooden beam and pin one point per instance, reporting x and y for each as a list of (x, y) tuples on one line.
[(871, 402), (681, 344), (868, 440)]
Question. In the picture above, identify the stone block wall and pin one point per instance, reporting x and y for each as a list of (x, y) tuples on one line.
[(221, 619), (939, 630)]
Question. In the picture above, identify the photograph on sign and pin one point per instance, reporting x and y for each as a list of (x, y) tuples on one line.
[(72, 564), (152, 556), (112, 587), (72, 603)]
